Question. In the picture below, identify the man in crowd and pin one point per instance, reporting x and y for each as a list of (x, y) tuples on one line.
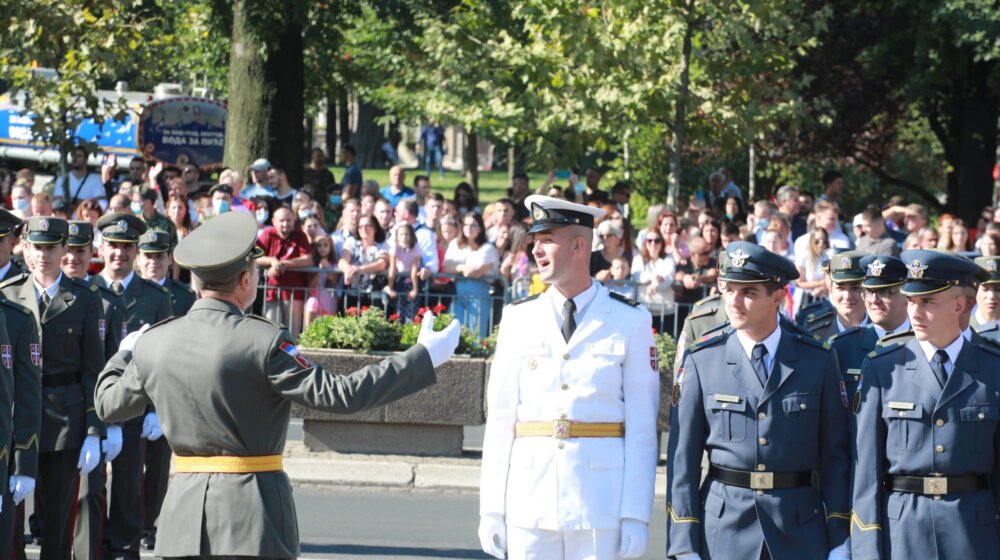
[(396, 190), (695, 276), (828, 219), (191, 174), (431, 143), (222, 199), (260, 182), (431, 211), (352, 179), (833, 185), (317, 176), (876, 239), (519, 189), (82, 182), (286, 248), (789, 205), (144, 207), (421, 190)]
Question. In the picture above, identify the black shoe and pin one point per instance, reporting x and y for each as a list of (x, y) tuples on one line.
[(148, 541)]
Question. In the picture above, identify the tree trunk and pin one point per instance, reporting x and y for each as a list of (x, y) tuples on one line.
[(470, 159), (330, 139), (369, 136), (343, 118), (285, 68), (250, 94), (677, 160), (978, 147)]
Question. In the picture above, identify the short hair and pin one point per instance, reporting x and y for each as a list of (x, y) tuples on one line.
[(619, 187), (419, 178), (520, 177), (506, 201), (410, 205), (831, 176), (762, 204), (823, 206), (435, 196), (918, 209), (729, 229), (716, 177), (349, 149), (225, 285), (786, 192), (872, 214)]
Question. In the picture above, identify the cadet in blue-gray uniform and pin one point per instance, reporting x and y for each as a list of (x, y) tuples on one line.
[(984, 319), (765, 404), (927, 473), (886, 307), (844, 276)]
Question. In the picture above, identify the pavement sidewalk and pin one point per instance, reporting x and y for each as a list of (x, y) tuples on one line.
[(398, 472)]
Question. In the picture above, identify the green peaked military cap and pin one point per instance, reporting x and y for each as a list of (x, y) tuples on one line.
[(219, 247), (45, 230), (846, 267), (992, 266), (120, 227), (81, 233), (8, 222), (154, 241)]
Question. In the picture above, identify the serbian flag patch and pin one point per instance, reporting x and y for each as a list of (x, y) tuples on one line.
[(102, 328), (36, 354), (291, 350), (8, 355), (843, 394), (654, 358), (124, 329)]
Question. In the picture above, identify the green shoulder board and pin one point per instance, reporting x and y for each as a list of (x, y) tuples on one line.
[(85, 284), (624, 299), (14, 280)]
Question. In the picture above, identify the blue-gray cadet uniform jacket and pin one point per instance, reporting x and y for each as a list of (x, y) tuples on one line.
[(797, 422), (909, 425)]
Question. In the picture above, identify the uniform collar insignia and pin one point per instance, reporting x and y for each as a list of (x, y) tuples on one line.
[(738, 258), (916, 269), (875, 268)]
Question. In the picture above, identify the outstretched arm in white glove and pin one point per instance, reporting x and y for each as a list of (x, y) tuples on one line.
[(128, 343), (151, 427), (635, 538), (493, 535), (440, 345), (112, 445), (90, 454), (20, 487)]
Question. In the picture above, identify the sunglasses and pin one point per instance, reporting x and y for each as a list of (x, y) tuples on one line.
[(653, 240)]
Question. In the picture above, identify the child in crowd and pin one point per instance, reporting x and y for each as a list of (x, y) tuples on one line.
[(620, 276), (404, 265), (321, 300)]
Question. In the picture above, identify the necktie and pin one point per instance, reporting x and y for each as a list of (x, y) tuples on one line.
[(757, 359), (569, 322), (938, 361), (45, 303), (117, 286)]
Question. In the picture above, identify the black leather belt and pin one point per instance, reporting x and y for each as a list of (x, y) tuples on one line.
[(760, 480), (937, 485), (60, 379)]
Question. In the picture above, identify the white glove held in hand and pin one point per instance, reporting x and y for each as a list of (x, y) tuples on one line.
[(493, 535), (112, 446), (151, 427), (20, 487), (635, 537), (842, 552), (128, 343), (442, 344), (90, 454)]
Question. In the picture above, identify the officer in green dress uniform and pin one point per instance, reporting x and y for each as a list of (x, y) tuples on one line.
[(984, 319), (155, 263), (844, 277), (91, 503), (69, 315), (146, 303), (223, 383)]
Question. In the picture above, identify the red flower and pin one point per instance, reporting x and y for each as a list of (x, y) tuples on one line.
[(439, 308), (422, 310), (351, 311), (364, 308), (394, 317), (418, 319)]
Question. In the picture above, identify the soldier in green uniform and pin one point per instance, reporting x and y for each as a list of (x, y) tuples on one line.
[(69, 314), (706, 314), (90, 508), (844, 277), (147, 303), (223, 383), (155, 262)]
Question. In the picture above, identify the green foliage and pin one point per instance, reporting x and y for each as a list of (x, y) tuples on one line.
[(666, 347)]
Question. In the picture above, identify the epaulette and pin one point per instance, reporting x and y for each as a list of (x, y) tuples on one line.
[(524, 299), (895, 338), (705, 300), (813, 317), (705, 311), (881, 349), (847, 332), (15, 306), (813, 327), (624, 299), (14, 280), (987, 343), (263, 319), (714, 329), (799, 329), (812, 340), (704, 343), (183, 286), (156, 286), (163, 322), (108, 290), (85, 284)]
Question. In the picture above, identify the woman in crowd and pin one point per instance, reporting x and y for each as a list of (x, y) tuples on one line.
[(810, 266), (90, 211), (464, 199), (363, 258), (312, 226), (670, 231), (711, 233), (473, 257), (734, 212), (322, 284), (612, 213), (178, 212), (989, 245), (610, 232), (958, 239), (653, 269)]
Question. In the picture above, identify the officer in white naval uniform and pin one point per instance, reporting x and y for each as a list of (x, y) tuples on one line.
[(569, 457)]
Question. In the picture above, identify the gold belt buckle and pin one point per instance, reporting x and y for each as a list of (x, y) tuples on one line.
[(560, 428), (762, 481), (935, 485)]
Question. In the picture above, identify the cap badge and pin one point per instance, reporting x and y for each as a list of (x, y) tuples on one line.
[(991, 266), (916, 269), (74, 229), (845, 262), (875, 268), (538, 213), (122, 226), (738, 258), (43, 225)]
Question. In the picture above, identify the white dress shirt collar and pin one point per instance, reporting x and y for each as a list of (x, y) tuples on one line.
[(770, 343), (582, 301), (125, 282), (51, 290), (904, 326), (841, 328), (952, 350)]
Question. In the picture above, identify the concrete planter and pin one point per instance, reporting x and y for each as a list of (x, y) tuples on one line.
[(426, 423)]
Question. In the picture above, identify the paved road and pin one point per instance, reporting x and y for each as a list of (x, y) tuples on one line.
[(382, 525)]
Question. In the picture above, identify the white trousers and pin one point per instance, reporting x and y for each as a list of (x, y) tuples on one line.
[(540, 544)]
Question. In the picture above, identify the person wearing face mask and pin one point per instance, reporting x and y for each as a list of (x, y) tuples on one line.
[(222, 199), (143, 206), (20, 198)]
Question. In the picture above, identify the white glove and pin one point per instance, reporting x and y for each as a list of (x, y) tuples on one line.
[(20, 487), (440, 345), (635, 537), (493, 535), (151, 427), (128, 343), (90, 454), (842, 552), (112, 446)]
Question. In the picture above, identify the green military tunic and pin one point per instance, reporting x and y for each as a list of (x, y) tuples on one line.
[(223, 384), (27, 387), (706, 314), (182, 297)]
